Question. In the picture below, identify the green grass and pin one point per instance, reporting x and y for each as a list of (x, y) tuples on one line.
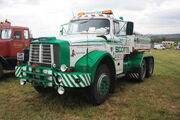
[(158, 98)]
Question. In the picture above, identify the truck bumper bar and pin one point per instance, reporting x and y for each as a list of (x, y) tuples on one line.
[(50, 77)]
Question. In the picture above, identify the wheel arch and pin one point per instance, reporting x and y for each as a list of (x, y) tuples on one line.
[(95, 58)]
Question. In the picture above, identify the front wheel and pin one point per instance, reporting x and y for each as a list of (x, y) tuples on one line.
[(1, 70), (100, 88)]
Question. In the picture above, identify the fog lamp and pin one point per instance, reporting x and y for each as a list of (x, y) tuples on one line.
[(60, 90), (22, 81)]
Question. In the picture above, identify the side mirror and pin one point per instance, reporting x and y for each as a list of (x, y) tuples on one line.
[(61, 31), (129, 28)]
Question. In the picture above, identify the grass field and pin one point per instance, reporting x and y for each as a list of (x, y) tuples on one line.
[(158, 98)]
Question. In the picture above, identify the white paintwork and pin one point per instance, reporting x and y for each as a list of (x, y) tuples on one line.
[(82, 43)]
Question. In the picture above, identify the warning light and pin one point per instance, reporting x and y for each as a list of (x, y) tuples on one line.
[(107, 12), (81, 13)]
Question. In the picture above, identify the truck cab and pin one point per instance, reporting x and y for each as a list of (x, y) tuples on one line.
[(93, 50), (13, 39)]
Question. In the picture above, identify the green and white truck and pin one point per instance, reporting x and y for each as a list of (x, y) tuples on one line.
[(93, 50)]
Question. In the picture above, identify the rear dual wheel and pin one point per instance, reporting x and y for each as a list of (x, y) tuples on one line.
[(150, 67), (142, 72), (146, 70)]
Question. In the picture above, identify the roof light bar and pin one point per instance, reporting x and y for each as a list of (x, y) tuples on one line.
[(109, 12)]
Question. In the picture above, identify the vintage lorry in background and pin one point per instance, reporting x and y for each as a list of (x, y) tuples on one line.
[(94, 49), (13, 39)]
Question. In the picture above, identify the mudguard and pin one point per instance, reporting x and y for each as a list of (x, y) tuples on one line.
[(90, 62), (133, 61)]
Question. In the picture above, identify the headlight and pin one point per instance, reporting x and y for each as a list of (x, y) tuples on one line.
[(24, 74), (63, 67), (24, 68), (30, 69), (22, 81)]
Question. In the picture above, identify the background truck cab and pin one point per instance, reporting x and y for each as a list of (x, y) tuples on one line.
[(13, 39)]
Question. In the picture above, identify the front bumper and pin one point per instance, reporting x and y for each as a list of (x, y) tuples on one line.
[(50, 77)]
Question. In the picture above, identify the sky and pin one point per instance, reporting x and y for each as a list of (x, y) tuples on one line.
[(44, 17)]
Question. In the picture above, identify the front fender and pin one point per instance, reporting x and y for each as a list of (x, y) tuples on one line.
[(90, 62)]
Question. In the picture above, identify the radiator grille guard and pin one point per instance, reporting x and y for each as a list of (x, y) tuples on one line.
[(41, 54)]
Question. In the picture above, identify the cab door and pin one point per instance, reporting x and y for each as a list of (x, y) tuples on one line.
[(17, 42), (121, 46)]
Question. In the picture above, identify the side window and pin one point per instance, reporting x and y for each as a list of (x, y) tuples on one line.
[(122, 28), (26, 35), (116, 28), (17, 35)]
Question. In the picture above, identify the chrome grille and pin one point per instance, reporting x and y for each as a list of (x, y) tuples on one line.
[(41, 53)]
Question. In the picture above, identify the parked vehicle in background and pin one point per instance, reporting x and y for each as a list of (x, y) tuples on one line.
[(168, 44), (178, 46), (13, 39), (159, 46), (93, 51)]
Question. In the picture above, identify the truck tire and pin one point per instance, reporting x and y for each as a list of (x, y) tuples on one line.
[(43, 90), (142, 72), (100, 88), (150, 67), (1, 70)]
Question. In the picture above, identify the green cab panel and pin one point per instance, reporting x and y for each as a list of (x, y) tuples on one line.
[(90, 62), (61, 48)]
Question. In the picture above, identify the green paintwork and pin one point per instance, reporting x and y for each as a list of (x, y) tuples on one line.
[(132, 63), (93, 59), (64, 48)]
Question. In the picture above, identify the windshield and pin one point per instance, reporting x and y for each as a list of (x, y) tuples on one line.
[(93, 26), (5, 33)]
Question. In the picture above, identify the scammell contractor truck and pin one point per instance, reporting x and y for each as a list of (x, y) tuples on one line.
[(13, 39), (93, 50)]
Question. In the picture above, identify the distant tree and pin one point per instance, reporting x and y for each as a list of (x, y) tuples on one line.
[(163, 38)]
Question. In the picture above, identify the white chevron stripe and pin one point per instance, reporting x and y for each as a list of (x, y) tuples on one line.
[(73, 81), (63, 80), (17, 70), (87, 79), (83, 79), (136, 76), (67, 80), (80, 82)]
